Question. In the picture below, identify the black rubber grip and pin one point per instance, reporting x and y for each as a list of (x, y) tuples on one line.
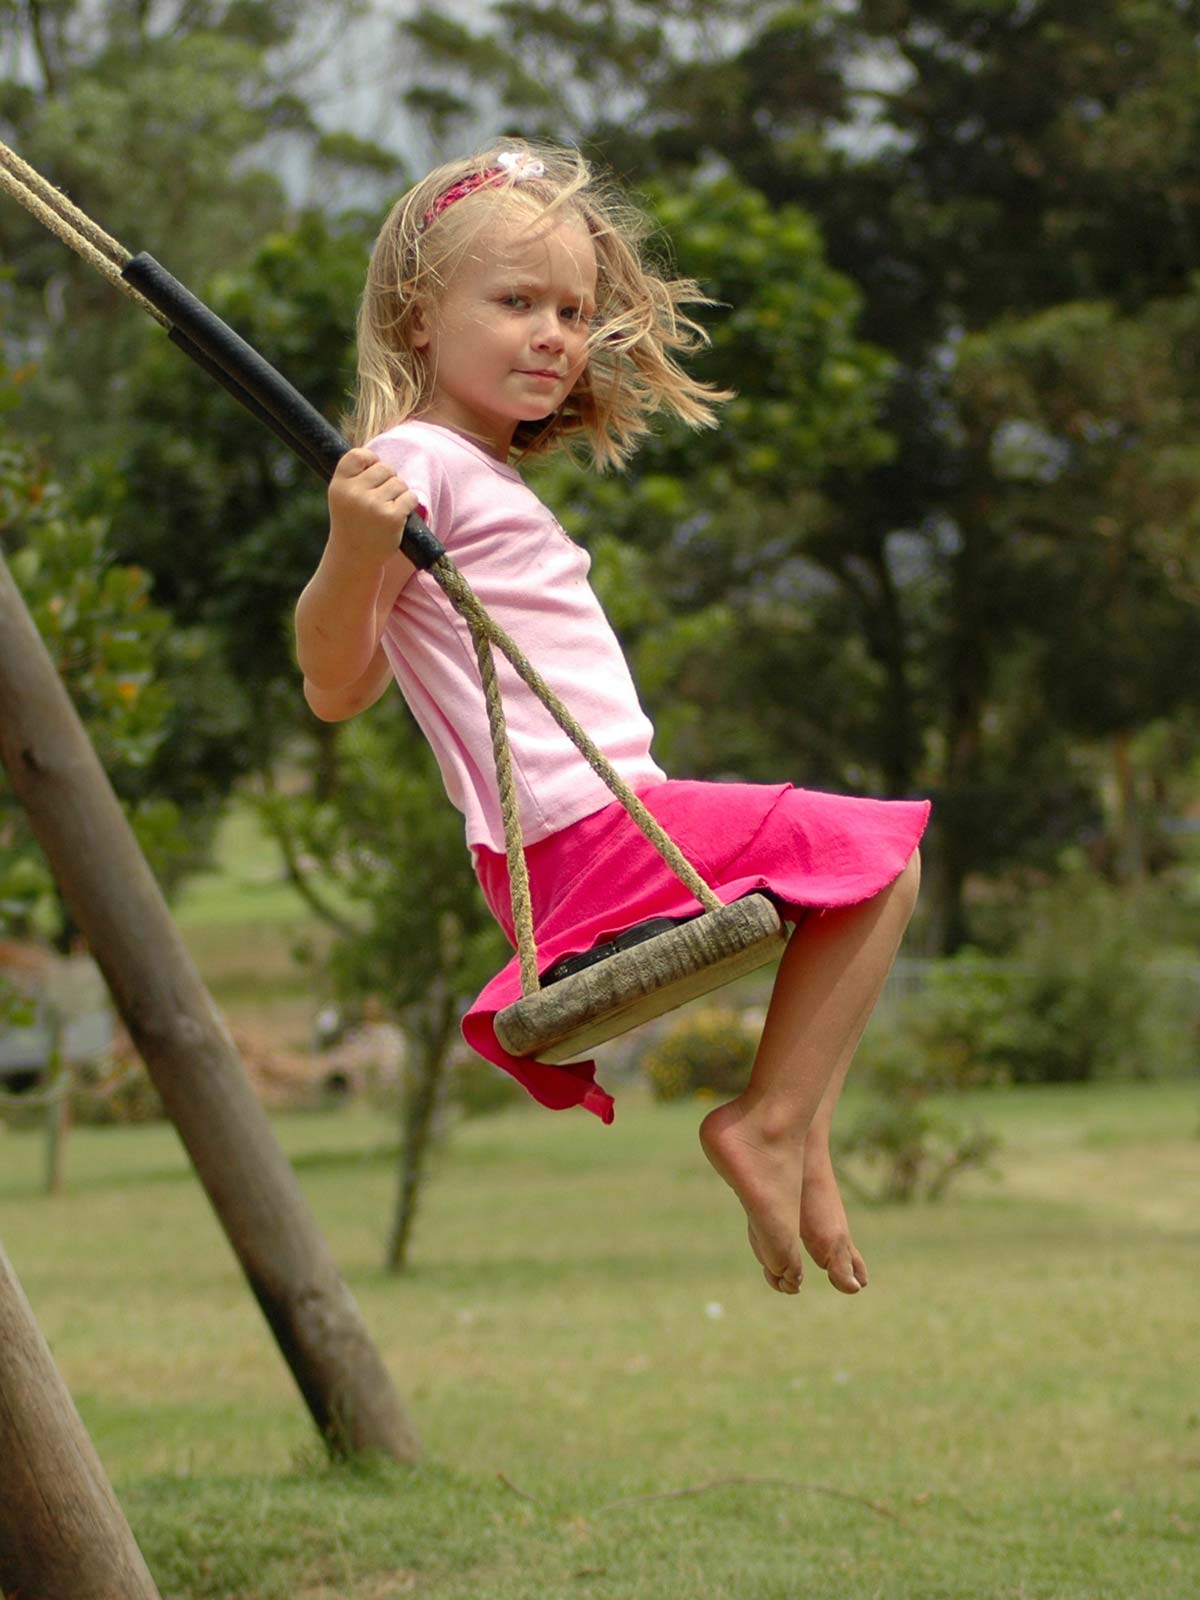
[(256, 385), (308, 431)]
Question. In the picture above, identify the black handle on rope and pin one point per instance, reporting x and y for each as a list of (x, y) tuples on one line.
[(257, 386)]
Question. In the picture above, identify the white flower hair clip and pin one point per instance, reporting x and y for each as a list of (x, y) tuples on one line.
[(520, 165)]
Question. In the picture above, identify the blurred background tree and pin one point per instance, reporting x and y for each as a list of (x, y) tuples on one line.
[(166, 120), (107, 641)]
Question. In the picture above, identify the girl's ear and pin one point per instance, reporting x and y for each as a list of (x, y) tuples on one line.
[(420, 330)]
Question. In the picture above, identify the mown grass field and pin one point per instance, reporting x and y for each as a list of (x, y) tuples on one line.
[(611, 1401)]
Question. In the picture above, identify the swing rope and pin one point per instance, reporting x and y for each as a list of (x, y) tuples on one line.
[(107, 256), (67, 222)]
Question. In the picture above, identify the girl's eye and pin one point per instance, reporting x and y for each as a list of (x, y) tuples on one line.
[(576, 314)]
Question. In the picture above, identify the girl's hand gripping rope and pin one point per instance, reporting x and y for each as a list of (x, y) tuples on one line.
[(341, 614), (368, 507)]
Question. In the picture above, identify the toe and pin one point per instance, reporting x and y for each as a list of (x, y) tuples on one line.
[(782, 1275), (843, 1270), (787, 1282), (785, 1277)]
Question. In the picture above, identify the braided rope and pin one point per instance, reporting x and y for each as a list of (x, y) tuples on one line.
[(75, 228), (518, 871), (82, 223)]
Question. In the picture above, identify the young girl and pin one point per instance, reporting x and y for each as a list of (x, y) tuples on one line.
[(508, 312)]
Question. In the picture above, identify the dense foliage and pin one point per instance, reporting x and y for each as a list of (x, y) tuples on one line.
[(106, 639)]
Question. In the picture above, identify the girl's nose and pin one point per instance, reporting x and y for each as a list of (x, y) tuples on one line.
[(548, 335)]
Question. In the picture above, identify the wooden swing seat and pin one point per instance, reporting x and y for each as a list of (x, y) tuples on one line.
[(566, 1020)]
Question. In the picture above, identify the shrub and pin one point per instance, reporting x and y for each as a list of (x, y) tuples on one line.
[(915, 1148), (478, 1089), (712, 1049), (1078, 998)]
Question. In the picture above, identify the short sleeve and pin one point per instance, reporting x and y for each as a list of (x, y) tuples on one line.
[(423, 471)]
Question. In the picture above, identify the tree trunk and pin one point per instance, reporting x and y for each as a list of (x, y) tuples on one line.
[(420, 1104), (950, 862), (62, 1534), (1129, 857), (968, 665), (187, 1050), (884, 625), (327, 776)]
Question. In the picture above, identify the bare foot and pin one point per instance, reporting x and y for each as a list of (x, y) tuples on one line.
[(767, 1176), (824, 1228)]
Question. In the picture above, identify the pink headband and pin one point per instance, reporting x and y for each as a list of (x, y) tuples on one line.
[(514, 164)]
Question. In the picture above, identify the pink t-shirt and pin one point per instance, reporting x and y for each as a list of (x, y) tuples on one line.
[(533, 580)]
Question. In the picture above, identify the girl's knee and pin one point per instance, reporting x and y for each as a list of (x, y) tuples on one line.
[(908, 884)]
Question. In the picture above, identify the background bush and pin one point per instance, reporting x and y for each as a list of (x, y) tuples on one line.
[(478, 1089), (711, 1049), (902, 1146), (1086, 992)]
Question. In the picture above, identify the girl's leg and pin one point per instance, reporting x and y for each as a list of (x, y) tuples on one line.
[(828, 982), (823, 1225)]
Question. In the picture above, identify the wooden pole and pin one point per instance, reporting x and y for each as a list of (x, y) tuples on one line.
[(171, 1018), (62, 1534)]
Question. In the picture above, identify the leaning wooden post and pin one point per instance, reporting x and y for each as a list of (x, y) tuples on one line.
[(62, 1534), (195, 1067)]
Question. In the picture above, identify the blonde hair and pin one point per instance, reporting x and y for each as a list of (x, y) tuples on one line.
[(631, 372)]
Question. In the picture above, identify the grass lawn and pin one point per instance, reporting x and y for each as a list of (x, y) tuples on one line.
[(614, 1405)]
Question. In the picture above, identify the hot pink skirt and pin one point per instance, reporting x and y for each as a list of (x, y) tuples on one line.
[(809, 850)]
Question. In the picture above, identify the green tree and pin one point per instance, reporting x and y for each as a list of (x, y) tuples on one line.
[(105, 638), (227, 519), (165, 120), (1084, 419), (961, 156)]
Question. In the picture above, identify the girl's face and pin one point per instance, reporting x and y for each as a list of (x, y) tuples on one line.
[(507, 339)]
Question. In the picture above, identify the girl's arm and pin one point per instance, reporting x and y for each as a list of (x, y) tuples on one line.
[(335, 705), (340, 615)]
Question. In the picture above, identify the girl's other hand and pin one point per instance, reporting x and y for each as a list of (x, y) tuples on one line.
[(368, 507)]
